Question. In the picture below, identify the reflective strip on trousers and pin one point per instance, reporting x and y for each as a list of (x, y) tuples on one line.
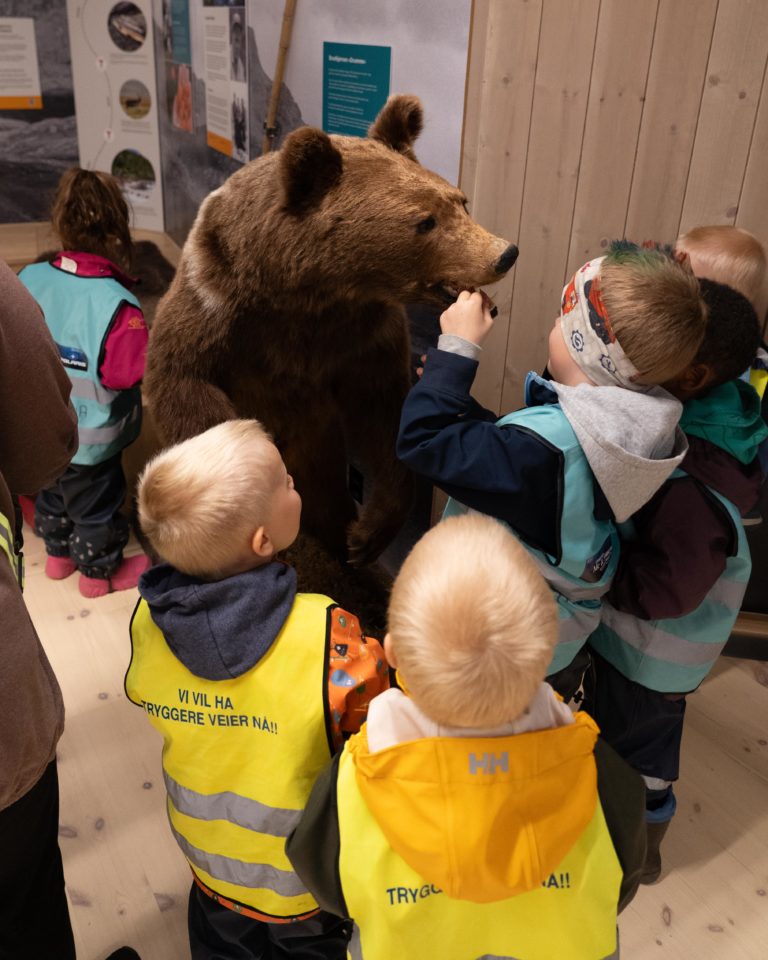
[(355, 946), (649, 638), (254, 876), (8, 548), (570, 589), (243, 811), (88, 390), (96, 435)]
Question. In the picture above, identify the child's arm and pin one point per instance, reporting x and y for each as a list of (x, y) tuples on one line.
[(506, 472), (357, 672), (125, 350), (684, 539), (313, 847)]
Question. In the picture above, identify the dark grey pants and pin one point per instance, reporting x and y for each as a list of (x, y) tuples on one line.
[(218, 933), (79, 517)]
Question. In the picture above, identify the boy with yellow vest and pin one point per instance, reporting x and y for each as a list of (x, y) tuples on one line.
[(473, 816), (251, 684)]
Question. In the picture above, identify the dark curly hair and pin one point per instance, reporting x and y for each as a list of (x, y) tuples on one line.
[(90, 215), (733, 333)]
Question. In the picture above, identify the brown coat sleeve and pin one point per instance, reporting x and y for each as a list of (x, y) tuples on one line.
[(38, 426), (38, 437)]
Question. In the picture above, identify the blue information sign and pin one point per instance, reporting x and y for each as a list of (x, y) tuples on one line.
[(355, 86)]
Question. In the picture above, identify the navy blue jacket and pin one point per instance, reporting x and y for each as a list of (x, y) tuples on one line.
[(507, 472)]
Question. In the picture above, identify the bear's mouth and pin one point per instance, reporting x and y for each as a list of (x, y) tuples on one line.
[(448, 293)]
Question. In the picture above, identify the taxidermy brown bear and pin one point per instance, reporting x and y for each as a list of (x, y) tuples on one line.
[(287, 306)]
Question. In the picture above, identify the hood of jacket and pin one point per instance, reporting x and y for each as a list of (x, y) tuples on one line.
[(631, 440), (220, 629), (729, 418), (725, 430), (482, 817)]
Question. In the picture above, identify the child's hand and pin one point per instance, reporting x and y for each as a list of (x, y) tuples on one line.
[(470, 317)]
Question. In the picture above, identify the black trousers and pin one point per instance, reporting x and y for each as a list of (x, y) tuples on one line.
[(217, 933), (34, 917), (645, 727), (79, 517), (567, 681)]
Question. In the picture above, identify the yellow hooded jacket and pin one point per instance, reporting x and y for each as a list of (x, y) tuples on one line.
[(488, 847)]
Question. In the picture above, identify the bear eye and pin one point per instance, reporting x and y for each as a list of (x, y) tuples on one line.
[(425, 225)]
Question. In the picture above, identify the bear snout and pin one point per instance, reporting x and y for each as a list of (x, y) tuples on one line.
[(506, 260)]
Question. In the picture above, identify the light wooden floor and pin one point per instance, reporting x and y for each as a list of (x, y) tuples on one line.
[(128, 883)]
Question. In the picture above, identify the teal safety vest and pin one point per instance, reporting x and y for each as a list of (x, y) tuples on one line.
[(80, 312), (589, 548), (674, 655)]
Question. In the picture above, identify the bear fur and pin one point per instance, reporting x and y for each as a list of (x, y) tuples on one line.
[(287, 306)]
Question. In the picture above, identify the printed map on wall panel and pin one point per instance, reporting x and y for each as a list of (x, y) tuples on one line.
[(427, 47), (113, 66)]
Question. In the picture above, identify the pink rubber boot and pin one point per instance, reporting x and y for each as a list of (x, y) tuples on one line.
[(92, 587), (27, 505), (59, 568), (127, 574)]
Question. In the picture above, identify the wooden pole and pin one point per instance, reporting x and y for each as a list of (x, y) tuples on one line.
[(270, 128)]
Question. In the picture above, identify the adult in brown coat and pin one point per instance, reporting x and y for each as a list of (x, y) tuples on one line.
[(38, 438)]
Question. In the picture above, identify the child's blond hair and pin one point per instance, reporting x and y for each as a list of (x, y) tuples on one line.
[(201, 501), (655, 308), (472, 623), (732, 256)]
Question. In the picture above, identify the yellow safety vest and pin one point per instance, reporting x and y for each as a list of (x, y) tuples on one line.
[(240, 756), (8, 547), (396, 914)]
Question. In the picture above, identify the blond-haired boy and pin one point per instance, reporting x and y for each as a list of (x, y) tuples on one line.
[(251, 684), (729, 255), (593, 443), (473, 815)]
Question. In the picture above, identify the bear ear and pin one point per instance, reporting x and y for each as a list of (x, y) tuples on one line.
[(309, 166), (399, 124)]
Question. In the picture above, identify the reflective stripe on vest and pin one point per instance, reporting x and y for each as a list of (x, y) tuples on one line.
[(79, 312), (92, 391), (589, 547), (107, 435), (241, 755), (675, 654), (9, 549), (397, 914), (243, 811)]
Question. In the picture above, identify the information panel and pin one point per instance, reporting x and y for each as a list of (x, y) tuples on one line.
[(226, 78), (356, 81), (19, 75), (113, 69)]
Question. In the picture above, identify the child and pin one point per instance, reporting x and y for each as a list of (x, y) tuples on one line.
[(102, 339), (736, 257), (684, 566), (591, 446), (732, 256), (473, 815), (229, 663)]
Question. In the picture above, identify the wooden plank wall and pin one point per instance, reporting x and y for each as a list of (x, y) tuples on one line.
[(593, 119)]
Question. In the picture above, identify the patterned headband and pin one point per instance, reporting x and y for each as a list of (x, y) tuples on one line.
[(588, 334)]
